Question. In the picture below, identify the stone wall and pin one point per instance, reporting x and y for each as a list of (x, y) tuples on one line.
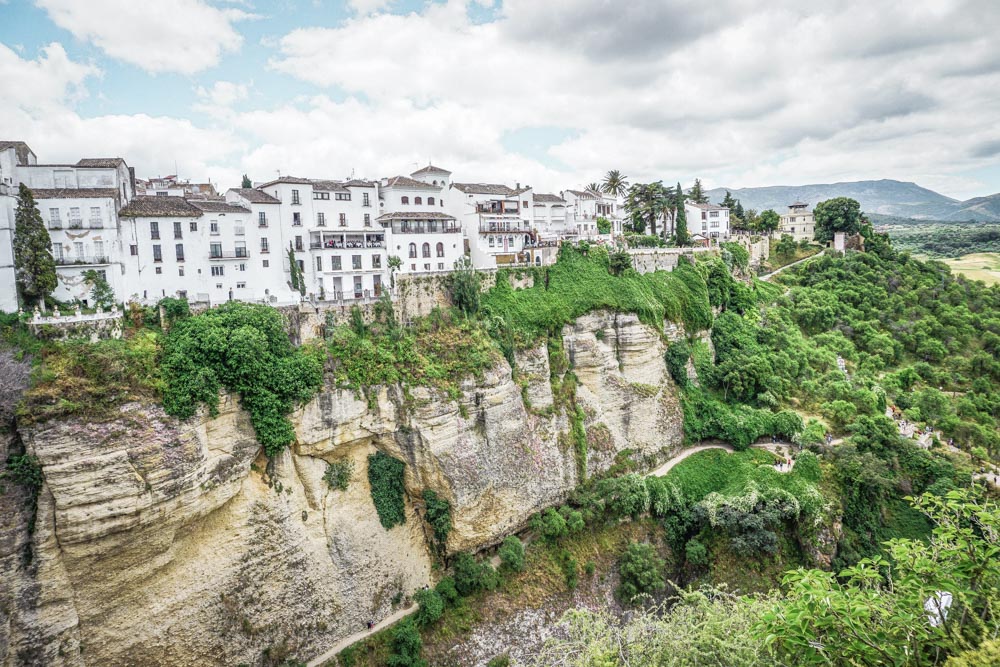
[(647, 260)]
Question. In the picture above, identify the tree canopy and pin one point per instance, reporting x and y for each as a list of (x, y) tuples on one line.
[(841, 214), (34, 267)]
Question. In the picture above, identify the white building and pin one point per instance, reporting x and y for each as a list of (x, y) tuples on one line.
[(421, 231), (584, 207), (797, 222), (496, 220), (707, 223), (171, 186)]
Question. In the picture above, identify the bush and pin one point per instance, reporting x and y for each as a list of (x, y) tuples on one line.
[(574, 519), (807, 467), (512, 555), (338, 474), (406, 646), (471, 576), (431, 606), (677, 358), (696, 552), (446, 589), (438, 516), (385, 476), (641, 572), (568, 565), (549, 525)]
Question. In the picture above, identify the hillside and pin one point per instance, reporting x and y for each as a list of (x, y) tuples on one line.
[(886, 197)]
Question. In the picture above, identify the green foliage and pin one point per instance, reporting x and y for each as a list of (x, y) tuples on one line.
[(807, 467), (697, 193), (511, 555), (447, 590), (642, 572), (786, 246), (680, 223), (696, 552), (385, 476), (244, 348), (620, 262), (463, 283), (438, 512), (644, 241), (987, 655), (246, 182), (570, 570), (549, 525), (841, 214), (740, 255), (768, 221), (472, 576), (338, 474), (100, 291), (706, 418), (431, 606), (677, 356), (34, 267), (296, 278), (499, 661), (603, 225), (645, 204), (174, 309), (406, 646), (25, 470)]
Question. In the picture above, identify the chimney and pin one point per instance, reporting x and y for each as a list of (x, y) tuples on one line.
[(518, 186)]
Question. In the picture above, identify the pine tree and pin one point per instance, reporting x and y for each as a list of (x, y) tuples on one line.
[(681, 226), (246, 182), (728, 201), (697, 193), (33, 264)]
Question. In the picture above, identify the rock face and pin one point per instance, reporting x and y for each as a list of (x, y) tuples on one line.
[(177, 543)]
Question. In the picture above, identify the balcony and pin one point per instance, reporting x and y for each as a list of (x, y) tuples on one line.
[(425, 227), (76, 223), (498, 208), (262, 223), (239, 253), (95, 223), (55, 224), (81, 260), (502, 227)]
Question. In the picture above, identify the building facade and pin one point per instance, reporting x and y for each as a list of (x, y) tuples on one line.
[(797, 222), (707, 223)]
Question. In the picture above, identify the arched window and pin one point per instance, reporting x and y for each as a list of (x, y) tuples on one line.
[(435, 183), (430, 201), (404, 200), (427, 250), (440, 249), (418, 201), (413, 250)]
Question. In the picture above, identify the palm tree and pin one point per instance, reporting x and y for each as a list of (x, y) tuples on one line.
[(593, 187), (615, 184)]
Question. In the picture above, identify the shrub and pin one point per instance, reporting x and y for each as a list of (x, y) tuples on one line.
[(499, 661), (438, 516), (338, 474), (574, 519), (385, 476), (471, 576), (641, 572), (807, 467), (446, 589), (620, 262), (696, 552), (406, 646), (677, 358), (589, 568), (625, 496), (549, 525), (431, 606), (568, 565), (512, 554)]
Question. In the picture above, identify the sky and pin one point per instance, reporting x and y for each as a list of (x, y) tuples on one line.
[(549, 93)]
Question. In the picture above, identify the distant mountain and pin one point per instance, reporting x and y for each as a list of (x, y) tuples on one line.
[(885, 197)]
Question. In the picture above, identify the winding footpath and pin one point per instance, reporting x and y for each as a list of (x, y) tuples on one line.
[(788, 266), (358, 636)]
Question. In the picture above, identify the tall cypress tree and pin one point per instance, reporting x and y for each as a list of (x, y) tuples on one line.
[(33, 264), (246, 182), (681, 226)]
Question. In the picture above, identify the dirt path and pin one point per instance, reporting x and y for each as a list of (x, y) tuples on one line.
[(663, 469), (358, 636), (788, 266)]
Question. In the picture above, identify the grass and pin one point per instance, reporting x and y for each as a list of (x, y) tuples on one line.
[(776, 261), (983, 266)]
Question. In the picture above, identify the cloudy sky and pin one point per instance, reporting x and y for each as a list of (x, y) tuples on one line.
[(552, 93)]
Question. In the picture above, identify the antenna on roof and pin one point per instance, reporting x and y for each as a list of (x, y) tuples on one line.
[(279, 172)]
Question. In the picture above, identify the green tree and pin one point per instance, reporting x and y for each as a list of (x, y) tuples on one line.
[(385, 477), (620, 262), (615, 183), (34, 267), (406, 646), (641, 572), (603, 225), (512, 554), (680, 219), (646, 203), (729, 201), (785, 247), (841, 214), (295, 273), (438, 516), (100, 290), (246, 182), (768, 221), (594, 187), (697, 193), (431, 606), (464, 286)]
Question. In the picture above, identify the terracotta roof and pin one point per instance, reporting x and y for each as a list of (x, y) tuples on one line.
[(404, 182), (430, 169), (580, 194), (21, 149), (148, 207), (255, 196), (216, 206), (100, 162), (549, 199), (74, 193), (416, 215), (483, 188), (295, 180)]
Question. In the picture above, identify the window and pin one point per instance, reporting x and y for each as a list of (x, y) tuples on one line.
[(302, 265), (430, 201), (213, 227), (263, 245), (241, 248), (154, 230), (177, 230), (525, 203), (368, 219), (343, 219), (54, 221), (218, 271), (99, 250), (713, 214), (215, 250), (441, 201), (321, 219), (440, 250), (159, 270), (426, 250), (57, 252), (427, 267), (404, 200), (343, 196), (413, 267), (95, 217), (157, 254), (194, 225), (418, 201), (218, 285), (376, 261), (295, 197), (319, 263), (440, 266), (132, 250), (267, 263), (321, 195), (356, 262), (180, 271), (75, 219), (365, 201), (492, 243), (243, 267), (413, 250), (298, 243), (296, 219), (335, 263), (262, 219), (241, 285)]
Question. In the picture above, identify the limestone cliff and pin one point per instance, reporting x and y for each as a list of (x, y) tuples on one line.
[(178, 543)]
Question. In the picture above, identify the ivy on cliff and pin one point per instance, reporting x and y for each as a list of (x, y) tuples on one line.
[(385, 477), (244, 348)]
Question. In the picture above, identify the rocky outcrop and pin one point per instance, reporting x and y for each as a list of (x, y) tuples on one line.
[(178, 543)]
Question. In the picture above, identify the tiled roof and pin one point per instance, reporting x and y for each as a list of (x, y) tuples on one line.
[(583, 194), (707, 207), (21, 149), (797, 204), (328, 186), (483, 188), (100, 162), (430, 169), (215, 206), (358, 183), (148, 207), (74, 193), (295, 180), (549, 199), (255, 196), (415, 215), (404, 182)]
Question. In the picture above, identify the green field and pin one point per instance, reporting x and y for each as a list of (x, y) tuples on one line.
[(983, 266)]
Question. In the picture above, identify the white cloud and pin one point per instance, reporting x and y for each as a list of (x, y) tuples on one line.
[(366, 7), (183, 36), (223, 95)]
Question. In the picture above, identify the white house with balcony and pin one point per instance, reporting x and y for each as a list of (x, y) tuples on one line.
[(420, 230), (708, 224), (584, 207), (496, 224), (797, 222), (267, 244)]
